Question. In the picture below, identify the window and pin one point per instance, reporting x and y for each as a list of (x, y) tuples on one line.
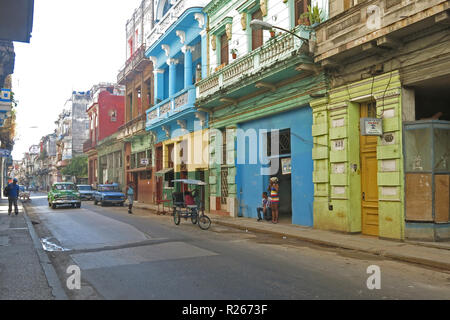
[(284, 141), (148, 102), (257, 34), (113, 116), (223, 49), (170, 156), (301, 6)]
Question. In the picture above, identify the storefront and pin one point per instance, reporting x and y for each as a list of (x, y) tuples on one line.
[(292, 164)]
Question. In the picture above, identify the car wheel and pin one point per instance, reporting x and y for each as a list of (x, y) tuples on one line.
[(78, 205), (95, 202), (49, 204), (53, 206)]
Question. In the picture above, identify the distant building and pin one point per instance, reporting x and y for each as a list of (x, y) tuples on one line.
[(106, 115)]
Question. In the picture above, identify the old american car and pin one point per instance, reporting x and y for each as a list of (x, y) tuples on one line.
[(109, 194), (86, 191), (64, 193)]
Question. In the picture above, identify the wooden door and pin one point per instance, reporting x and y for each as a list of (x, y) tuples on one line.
[(369, 169), (257, 34)]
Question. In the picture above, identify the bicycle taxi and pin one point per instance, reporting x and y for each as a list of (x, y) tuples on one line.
[(186, 204)]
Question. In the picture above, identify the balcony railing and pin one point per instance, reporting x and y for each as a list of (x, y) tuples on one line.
[(135, 62), (170, 106), (275, 50)]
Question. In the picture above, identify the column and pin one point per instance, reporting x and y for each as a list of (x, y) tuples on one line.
[(158, 82), (172, 75), (187, 50), (204, 54)]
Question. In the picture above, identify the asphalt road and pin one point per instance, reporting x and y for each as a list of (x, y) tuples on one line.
[(145, 256)]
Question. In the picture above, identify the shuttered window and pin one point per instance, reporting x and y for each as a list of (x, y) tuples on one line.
[(224, 49), (257, 34)]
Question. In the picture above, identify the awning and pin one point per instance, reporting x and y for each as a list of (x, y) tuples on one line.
[(140, 169), (163, 171)]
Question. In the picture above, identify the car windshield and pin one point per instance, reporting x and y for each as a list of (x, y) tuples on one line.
[(85, 188), (108, 188), (65, 187)]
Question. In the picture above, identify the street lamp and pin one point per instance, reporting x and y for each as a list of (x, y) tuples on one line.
[(258, 24)]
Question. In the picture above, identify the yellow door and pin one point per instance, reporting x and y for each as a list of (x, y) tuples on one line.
[(369, 169)]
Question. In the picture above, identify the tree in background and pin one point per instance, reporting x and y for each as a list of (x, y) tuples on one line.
[(77, 167)]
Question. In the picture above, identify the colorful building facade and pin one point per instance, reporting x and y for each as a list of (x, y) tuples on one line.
[(388, 62), (257, 93), (175, 47)]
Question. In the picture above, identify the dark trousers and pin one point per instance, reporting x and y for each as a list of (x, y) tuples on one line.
[(12, 201), (268, 214)]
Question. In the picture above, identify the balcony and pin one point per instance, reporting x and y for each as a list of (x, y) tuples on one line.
[(168, 108), (375, 26), (88, 145), (248, 67), (181, 6), (132, 127), (135, 64)]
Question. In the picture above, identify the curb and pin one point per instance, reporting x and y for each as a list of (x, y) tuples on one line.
[(50, 272), (393, 256)]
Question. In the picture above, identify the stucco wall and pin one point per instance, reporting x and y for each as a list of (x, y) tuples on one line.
[(337, 118)]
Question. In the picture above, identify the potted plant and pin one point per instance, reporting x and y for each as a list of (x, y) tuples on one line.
[(272, 33), (234, 53), (314, 16)]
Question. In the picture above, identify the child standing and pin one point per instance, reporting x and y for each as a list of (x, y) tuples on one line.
[(265, 209)]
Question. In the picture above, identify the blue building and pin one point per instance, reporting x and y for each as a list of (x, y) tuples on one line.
[(174, 45)]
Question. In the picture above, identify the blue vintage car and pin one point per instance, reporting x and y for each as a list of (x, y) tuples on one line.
[(109, 194), (86, 192)]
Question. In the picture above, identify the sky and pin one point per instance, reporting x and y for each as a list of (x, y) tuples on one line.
[(74, 45)]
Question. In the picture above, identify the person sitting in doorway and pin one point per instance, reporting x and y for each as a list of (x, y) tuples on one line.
[(265, 209)]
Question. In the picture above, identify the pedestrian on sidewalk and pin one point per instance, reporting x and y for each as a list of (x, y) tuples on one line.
[(12, 191), (274, 199), (130, 194), (265, 209)]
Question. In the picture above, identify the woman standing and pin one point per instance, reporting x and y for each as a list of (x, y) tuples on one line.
[(130, 194), (274, 199)]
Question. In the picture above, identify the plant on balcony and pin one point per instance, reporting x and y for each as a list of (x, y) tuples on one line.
[(313, 16), (234, 53)]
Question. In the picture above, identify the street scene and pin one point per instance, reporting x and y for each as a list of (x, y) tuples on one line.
[(248, 150)]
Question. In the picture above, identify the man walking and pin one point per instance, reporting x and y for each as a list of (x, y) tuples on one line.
[(130, 194), (13, 194)]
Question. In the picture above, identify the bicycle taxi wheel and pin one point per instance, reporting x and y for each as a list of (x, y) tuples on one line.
[(204, 222), (176, 216), (193, 213)]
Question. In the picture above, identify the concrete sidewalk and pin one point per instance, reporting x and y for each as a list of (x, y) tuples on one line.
[(436, 255), (22, 276)]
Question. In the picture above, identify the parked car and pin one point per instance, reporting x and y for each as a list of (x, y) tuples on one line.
[(64, 193), (86, 191), (109, 194)]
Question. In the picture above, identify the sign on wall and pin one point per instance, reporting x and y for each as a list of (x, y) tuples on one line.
[(371, 126), (144, 162), (286, 166)]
